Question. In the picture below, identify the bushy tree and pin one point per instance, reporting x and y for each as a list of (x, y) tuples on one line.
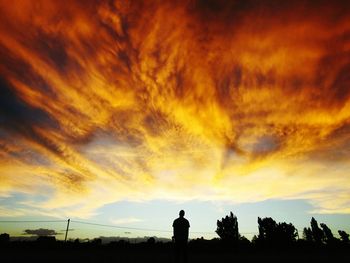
[(328, 237), (267, 229), (277, 233), (307, 234), (243, 240), (317, 233), (344, 237), (151, 240), (286, 233), (227, 228), (4, 238), (255, 239)]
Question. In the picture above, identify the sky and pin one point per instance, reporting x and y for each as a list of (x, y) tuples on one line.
[(124, 112)]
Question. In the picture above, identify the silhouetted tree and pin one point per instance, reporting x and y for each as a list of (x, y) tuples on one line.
[(327, 234), (255, 240), (96, 241), (4, 238), (344, 237), (286, 233), (151, 241), (267, 229), (307, 234), (46, 239), (244, 241), (227, 228), (317, 233), (277, 233)]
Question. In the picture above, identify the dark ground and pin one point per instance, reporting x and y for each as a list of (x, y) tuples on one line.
[(163, 252)]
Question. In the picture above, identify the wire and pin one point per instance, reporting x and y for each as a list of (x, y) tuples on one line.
[(121, 227), (106, 225), (32, 221), (145, 229)]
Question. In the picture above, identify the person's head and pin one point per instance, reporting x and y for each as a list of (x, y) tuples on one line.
[(182, 213)]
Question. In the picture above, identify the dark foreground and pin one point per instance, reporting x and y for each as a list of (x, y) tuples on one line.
[(163, 252)]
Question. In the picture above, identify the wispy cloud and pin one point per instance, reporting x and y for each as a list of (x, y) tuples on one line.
[(126, 220), (41, 232), (239, 102)]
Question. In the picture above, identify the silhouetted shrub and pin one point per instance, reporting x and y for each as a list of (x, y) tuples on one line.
[(255, 240), (344, 237), (46, 239), (317, 233), (4, 238), (271, 232), (267, 230), (286, 233), (227, 228), (328, 237), (151, 240), (96, 241), (307, 234), (243, 241)]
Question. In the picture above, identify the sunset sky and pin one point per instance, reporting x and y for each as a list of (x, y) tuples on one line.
[(125, 112)]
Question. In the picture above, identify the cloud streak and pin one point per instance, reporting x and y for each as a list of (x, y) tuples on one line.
[(126, 220), (240, 101), (41, 232)]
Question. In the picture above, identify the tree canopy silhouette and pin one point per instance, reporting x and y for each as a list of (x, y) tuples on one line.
[(327, 234), (307, 234), (344, 237), (276, 233), (227, 228), (317, 233), (321, 235)]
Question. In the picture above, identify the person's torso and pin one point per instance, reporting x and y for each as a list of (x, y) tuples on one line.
[(181, 226)]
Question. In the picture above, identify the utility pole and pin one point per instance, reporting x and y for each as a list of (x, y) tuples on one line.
[(65, 239)]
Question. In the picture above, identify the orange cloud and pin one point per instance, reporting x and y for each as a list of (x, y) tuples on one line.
[(239, 101)]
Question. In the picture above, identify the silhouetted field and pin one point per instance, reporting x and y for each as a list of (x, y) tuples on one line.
[(276, 242), (199, 251)]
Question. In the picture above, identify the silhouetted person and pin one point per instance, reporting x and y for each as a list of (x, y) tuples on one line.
[(181, 226)]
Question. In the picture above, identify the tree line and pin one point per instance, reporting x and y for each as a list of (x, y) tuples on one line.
[(271, 233), (280, 234)]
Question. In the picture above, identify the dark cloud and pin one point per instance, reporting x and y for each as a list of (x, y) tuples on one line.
[(41, 232), (221, 10), (19, 118), (17, 113), (14, 66), (52, 49), (264, 7), (341, 84)]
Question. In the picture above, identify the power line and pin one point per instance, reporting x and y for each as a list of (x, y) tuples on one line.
[(121, 227), (106, 225), (135, 228), (145, 229), (32, 221)]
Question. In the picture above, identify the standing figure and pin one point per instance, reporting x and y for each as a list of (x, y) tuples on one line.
[(181, 226)]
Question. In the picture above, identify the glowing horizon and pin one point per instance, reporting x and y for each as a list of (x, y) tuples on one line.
[(238, 102)]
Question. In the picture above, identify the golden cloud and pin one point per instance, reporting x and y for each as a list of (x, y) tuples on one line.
[(236, 101)]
